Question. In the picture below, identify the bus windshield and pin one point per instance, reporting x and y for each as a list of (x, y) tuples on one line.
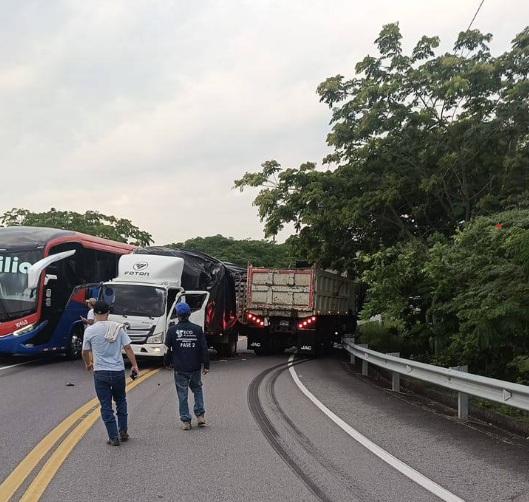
[(134, 300), (15, 299)]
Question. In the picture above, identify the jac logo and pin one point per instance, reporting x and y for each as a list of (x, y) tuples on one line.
[(140, 265), (21, 323)]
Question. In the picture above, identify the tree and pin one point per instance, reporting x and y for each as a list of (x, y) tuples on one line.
[(479, 290), (91, 222), (421, 144), (260, 253)]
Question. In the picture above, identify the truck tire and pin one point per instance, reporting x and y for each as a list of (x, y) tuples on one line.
[(228, 349)]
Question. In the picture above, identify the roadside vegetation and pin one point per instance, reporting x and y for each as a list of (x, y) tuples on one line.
[(259, 253), (424, 198)]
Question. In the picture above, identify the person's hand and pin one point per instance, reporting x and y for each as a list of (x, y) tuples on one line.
[(205, 371), (89, 366), (136, 369), (84, 320)]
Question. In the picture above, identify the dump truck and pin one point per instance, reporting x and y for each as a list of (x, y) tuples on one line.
[(308, 308)]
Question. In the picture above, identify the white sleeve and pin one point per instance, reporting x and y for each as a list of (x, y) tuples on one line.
[(91, 316), (87, 342)]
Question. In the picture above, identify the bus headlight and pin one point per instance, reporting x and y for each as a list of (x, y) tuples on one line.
[(155, 338), (24, 330)]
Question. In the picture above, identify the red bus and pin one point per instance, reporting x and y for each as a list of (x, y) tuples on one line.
[(40, 301)]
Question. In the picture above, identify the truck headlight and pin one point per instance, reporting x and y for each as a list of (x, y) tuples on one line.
[(24, 330), (155, 338)]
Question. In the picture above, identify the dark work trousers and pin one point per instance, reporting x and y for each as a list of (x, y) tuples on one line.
[(111, 385)]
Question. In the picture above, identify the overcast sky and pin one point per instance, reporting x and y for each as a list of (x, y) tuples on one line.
[(149, 109)]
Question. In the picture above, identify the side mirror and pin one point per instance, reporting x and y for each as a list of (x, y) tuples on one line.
[(37, 268)]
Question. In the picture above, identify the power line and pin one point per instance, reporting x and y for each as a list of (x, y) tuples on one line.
[(475, 15)]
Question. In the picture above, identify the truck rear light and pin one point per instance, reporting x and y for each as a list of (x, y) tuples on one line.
[(307, 323), (255, 319)]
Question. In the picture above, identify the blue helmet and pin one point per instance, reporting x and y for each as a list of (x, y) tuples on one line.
[(182, 309)]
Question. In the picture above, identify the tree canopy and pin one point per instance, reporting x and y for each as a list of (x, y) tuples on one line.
[(424, 196), (421, 144), (260, 253), (91, 222)]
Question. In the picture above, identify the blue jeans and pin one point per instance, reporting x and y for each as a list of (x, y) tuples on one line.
[(185, 381), (111, 385)]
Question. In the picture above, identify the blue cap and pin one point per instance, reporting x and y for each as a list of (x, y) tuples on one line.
[(182, 309)]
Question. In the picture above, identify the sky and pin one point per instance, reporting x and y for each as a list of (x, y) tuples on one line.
[(150, 109)]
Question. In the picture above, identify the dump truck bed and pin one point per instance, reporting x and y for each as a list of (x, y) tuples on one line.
[(305, 291)]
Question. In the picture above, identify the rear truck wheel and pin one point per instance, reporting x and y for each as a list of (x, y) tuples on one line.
[(228, 349), (75, 345)]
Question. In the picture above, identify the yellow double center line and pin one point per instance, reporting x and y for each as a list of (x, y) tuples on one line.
[(88, 414)]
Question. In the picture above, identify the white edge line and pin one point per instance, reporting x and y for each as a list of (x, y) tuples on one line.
[(13, 365), (387, 457)]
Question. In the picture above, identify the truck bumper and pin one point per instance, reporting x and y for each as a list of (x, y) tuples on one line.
[(149, 349), (307, 341)]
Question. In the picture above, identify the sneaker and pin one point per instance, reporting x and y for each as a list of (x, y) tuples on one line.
[(123, 436), (201, 421), (186, 426), (113, 442)]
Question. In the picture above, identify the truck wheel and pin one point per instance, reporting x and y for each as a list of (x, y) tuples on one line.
[(75, 345), (228, 349)]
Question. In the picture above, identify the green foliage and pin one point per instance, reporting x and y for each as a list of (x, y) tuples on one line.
[(421, 142), (91, 222), (429, 152), (260, 253), (479, 286), (379, 336)]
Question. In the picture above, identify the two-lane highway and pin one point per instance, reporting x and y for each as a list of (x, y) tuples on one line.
[(266, 439)]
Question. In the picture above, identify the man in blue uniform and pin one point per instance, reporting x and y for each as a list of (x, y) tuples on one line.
[(187, 350)]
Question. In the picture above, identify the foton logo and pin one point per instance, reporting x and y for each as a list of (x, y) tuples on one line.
[(139, 269), (12, 265)]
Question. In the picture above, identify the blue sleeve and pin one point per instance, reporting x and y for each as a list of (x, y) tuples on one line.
[(169, 338)]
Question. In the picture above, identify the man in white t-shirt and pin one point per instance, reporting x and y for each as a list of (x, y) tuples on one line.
[(90, 317), (105, 340)]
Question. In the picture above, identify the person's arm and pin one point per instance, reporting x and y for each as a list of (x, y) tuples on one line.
[(87, 358), (132, 358), (125, 342), (169, 345), (87, 354), (204, 351)]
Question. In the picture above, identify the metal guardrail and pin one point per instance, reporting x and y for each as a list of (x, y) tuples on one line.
[(466, 384)]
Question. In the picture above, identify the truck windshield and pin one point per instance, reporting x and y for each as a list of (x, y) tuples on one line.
[(134, 300), (15, 299)]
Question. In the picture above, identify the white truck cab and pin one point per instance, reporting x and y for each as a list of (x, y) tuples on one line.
[(144, 296)]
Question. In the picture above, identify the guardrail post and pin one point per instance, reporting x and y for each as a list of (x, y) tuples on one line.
[(364, 368), (462, 398), (350, 338), (395, 377), (364, 362)]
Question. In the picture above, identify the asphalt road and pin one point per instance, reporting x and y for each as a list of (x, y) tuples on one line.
[(265, 440)]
